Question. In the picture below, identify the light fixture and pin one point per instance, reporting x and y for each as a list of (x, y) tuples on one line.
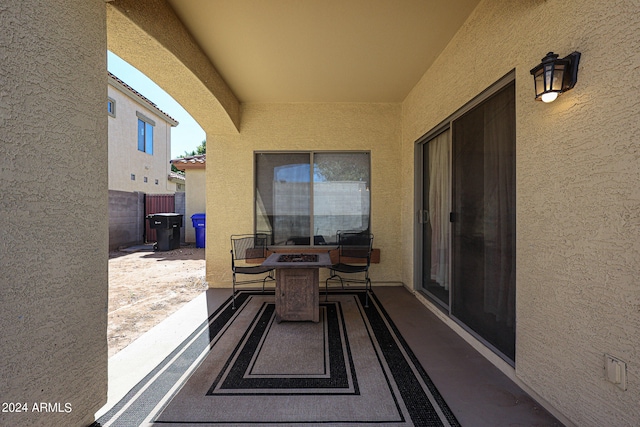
[(554, 76)]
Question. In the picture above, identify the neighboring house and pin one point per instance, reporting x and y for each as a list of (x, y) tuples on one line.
[(139, 154), (139, 141), (195, 177), (572, 176)]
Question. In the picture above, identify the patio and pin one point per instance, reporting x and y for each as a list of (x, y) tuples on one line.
[(477, 392), (577, 241)]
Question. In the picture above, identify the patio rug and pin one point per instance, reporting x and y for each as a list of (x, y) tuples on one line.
[(241, 367)]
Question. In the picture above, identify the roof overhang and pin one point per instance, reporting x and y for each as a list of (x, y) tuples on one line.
[(191, 162)]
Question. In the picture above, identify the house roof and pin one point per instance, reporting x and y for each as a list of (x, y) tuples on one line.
[(178, 178), (125, 88), (191, 162)]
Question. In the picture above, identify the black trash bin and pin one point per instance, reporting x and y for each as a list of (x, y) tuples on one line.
[(167, 226)]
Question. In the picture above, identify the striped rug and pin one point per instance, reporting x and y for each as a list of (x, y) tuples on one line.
[(242, 368)]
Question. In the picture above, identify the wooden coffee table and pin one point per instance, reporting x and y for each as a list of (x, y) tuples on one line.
[(297, 284)]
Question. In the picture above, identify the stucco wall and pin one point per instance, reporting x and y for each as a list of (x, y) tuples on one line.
[(53, 250), (230, 185), (124, 157), (196, 199), (578, 190)]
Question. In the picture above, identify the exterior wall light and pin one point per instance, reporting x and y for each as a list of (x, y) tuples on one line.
[(554, 76)]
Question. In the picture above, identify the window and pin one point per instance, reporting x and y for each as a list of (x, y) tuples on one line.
[(111, 107), (145, 134), (304, 194)]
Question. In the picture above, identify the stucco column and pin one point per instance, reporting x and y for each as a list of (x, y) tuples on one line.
[(53, 222)]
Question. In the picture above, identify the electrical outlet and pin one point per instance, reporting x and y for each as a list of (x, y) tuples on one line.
[(615, 371)]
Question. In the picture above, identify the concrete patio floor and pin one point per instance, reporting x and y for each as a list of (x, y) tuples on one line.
[(476, 391)]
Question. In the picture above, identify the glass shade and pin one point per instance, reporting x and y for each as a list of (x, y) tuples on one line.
[(548, 77)]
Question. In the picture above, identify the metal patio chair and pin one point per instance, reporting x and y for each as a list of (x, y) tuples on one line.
[(354, 250), (249, 247)]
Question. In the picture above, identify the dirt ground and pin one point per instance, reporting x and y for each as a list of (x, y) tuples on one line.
[(146, 287)]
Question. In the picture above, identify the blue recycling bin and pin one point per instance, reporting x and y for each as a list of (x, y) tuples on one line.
[(199, 223)]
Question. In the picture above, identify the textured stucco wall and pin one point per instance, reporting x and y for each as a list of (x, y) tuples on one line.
[(578, 190), (53, 250), (125, 158), (290, 127), (196, 199)]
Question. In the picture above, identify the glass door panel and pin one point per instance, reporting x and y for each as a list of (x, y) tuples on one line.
[(483, 231), (434, 218)]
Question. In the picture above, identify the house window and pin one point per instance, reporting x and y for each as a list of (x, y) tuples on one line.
[(304, 194), (111, 107), (145, 133), (133, 177)]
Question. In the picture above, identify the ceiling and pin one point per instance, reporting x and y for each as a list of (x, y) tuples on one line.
[(322, 50)]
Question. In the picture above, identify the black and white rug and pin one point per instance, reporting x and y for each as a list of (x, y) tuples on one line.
[(241, 367)]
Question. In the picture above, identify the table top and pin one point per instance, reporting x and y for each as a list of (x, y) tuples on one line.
[(297, 260)]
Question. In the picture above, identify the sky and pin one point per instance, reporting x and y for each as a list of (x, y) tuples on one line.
[(184, 137)]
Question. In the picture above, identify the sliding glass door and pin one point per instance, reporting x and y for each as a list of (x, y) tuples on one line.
[(467, 218)]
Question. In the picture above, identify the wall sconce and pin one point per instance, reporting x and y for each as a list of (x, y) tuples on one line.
[(554, 76)]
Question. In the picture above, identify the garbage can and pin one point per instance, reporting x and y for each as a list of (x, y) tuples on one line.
[(167, 226), (199, 223)]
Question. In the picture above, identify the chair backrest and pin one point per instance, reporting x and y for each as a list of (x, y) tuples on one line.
[(355, 244), (249, 246)]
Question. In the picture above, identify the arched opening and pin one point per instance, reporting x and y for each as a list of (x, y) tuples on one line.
[(152, 40)]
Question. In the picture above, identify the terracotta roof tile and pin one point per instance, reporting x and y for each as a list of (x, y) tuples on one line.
[(198, 161), (176, 177), (200, 158)]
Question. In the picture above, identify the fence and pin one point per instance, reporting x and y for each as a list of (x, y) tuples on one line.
[(127, 216)]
